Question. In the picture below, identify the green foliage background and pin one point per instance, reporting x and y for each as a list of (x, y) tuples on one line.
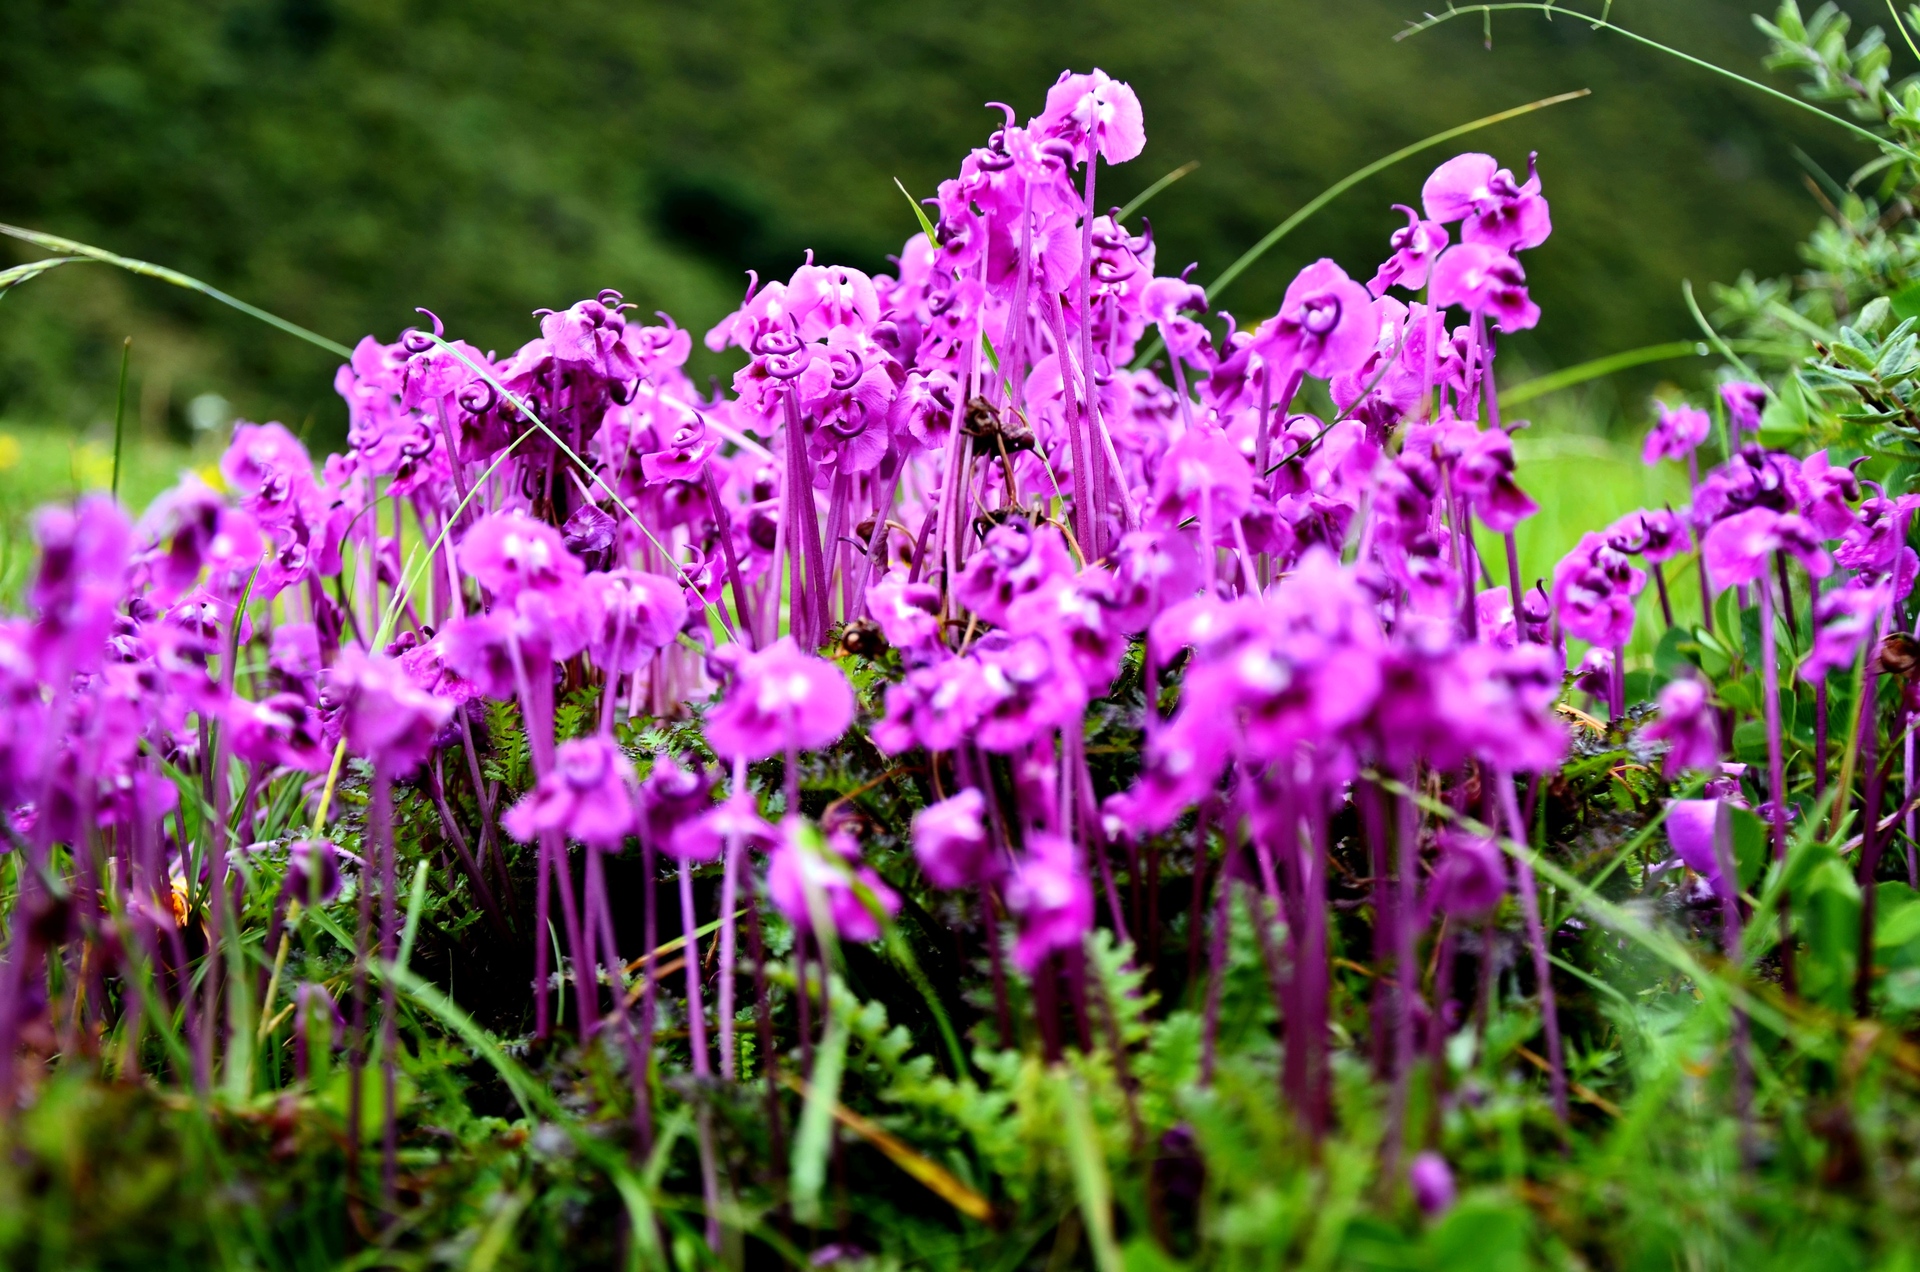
[(342, 161)]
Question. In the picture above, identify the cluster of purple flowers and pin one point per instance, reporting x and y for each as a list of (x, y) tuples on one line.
[(965, 459)]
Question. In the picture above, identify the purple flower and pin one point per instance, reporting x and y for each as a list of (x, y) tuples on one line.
[(188, 529), (1162, 302), (1182, 763), (641, 613), (937, 706), (1203, 465), (673, 795), (510, 552), (1012, 562), (282, 728), (1483, 473), (908, 613), (1030, 688), (1471, 876), (1431, 1180), (1093, 111), (1658, 534), (824, 298), (705, 837), (1744, 401), (780, 699), (1843, 620), (1484, 280), (590, 334), (1687, 726), (1495, 703), (1152, 569), (587, 796), (311, 862), (807, 870), (269, 469), (1050, 895), (1737, 549), (1693, 828), (1497, 210), (1325, 325), (1677, 431), (1593, 590), (1828, 492), (1415, 245), (951, 843), (386, 717)]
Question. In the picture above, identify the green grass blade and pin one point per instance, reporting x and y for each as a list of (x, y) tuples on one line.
[(920, 215), (54, 243), (1089, 1174), (814, 1137), (1139, 200), (1433, 20), (120, 414), (18, 274), (415, 902), (1354, 178), (1581, 372), (1346, 183)]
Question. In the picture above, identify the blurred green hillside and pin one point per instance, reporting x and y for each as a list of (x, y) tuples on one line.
[(342, 161)]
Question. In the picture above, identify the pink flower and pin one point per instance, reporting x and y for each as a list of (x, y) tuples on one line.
[(642, 613), (824, 298), (1687, 726), (586, 796), (1011, 563), (386, 717), (1431, 1181), (510, 552), (950, 841), (1094, 112), (1694, 828), (1676, 432), (1050, 895), (1325, 325), (908, 613), (808, 873), (1497, 210), (1484, 280), (780, 700), (1415, 245), (1745, 402), (1737, 548), (1471, 877), (937, 706), (1593, 589)]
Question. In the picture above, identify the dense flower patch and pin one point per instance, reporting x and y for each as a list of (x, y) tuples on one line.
[(1115, 677)]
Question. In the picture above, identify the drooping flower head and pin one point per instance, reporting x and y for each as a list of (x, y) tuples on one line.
[(950, 841), (587, 795), (780, 700), (510, 552), (812, 874), (386, 716), (1415, 246), (1676, 433), (1050, 894), (1092, 112), (1687, 725), (1484, 280), (1495, 210), (1325, 325), (1744, 402)]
